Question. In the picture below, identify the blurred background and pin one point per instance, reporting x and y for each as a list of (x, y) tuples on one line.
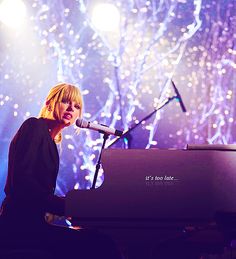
[(122, 54)]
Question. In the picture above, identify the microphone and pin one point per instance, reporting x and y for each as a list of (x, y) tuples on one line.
[(81, 123), (178, 97)]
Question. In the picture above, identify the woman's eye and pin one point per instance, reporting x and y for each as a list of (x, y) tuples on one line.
[(77, 107), (64, 101)]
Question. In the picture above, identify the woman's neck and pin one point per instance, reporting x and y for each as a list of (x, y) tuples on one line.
[(54, 127)]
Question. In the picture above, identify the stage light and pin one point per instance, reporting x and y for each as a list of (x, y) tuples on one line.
[(106, 17), (12, 13)]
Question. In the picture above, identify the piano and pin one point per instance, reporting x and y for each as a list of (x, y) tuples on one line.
[(151, 195)]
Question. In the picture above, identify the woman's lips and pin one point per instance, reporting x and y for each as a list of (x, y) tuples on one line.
[(67, 116)]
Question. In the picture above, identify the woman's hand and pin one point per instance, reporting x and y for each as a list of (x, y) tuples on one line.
[(53, 219), (50, 218)]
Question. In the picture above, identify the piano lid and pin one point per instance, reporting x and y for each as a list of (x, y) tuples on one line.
[(159, 184)]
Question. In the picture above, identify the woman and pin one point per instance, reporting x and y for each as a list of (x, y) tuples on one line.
[(32, 171)]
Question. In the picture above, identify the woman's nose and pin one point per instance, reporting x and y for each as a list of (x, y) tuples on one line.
[(70, 108)]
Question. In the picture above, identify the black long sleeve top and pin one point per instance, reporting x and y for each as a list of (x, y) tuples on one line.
[(33, 165)]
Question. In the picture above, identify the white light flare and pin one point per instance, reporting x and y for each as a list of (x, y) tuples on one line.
[(12, 13), (106, 17)]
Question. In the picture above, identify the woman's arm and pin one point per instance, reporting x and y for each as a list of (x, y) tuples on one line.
[(32, 171)]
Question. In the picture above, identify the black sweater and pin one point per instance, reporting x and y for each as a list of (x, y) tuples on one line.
[(33, 165)]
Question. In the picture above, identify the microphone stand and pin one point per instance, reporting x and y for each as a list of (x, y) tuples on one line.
[(126, 133), (98, 165)]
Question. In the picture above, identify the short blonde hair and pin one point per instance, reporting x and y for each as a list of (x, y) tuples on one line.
[(61, 91)]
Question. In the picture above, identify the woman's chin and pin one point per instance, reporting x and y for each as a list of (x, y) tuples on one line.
[(66, 123)]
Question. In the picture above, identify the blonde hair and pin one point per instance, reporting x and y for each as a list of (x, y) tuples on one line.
[(61, 91)]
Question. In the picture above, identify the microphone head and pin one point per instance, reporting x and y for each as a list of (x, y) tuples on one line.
[(81, 123)]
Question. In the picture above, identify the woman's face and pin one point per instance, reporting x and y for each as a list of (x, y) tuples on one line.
[(69, 111)]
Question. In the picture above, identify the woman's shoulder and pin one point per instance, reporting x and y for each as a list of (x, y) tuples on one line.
[(33, 123)]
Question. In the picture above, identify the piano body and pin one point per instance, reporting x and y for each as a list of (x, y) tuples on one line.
[(151, 195)]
